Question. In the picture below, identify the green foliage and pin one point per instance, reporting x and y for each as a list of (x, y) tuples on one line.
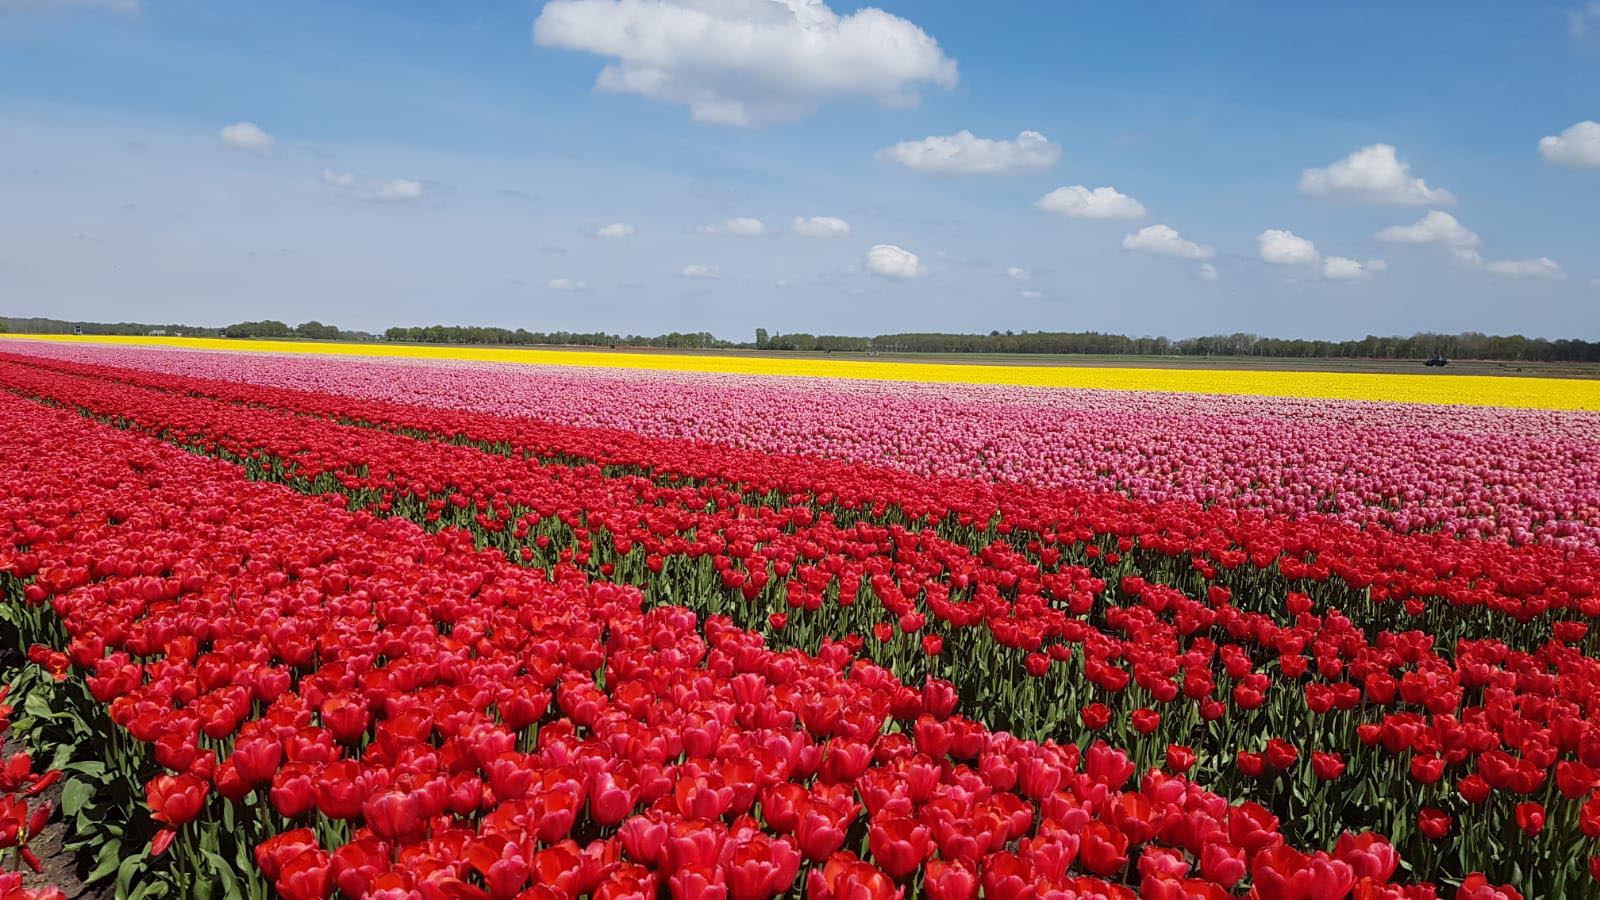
[(266, 328), (317, 331)]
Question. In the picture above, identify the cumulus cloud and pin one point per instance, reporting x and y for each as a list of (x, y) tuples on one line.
[(565, 284), (1282, 247), (1208, 272), (1434, 228), (246, 136), (1542, 267), (821, 227), (890, 261), (616, 231), (1373, 174), (1079, 202), (1017, 273), (747, 62), (1577, 146), (964, 153), (1340, 268), (1539, 267), (698, 271), (742, 226), (1164, 240), (372, 190)]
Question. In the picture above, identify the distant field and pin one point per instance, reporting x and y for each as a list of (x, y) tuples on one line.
[(1512, 369), (1247, 363), (1544, 388)]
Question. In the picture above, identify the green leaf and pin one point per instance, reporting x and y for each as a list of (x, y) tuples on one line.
[(75, 795), (38, 707), (63, 755), (105, 863), (132, 865), (156, 887), (93, 768), (225, 875)]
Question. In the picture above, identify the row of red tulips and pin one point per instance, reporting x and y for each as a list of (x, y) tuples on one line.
[(1521, 583), (399, 714), (1526, 702), (22, 815)]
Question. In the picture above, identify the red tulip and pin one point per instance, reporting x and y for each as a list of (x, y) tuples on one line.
[(1104, 849), (1280, 754), (1179, 758), (950, 881), (1434, 823), (175, 799), (1327, 766), (899, 845), (1530, 818), (1096, 716)]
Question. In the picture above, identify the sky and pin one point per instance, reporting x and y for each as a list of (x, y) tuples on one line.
[(642, 166)]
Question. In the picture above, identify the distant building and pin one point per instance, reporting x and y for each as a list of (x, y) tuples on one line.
[(158, 332)]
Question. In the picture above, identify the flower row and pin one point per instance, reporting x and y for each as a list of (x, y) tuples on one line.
[(1518, 475), (410, 714)]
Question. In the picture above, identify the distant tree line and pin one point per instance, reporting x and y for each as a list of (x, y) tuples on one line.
[(1468, 345), (480, 334), (37, 325), (267, 328)]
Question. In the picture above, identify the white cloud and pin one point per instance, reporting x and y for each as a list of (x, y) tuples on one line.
[(1540, 267), (821, 227), (616, 231), (742, 226), (1340, 268), (1208, 272), (1164, 240), (698, 271), (1577, 146), (1543, 267), (1585, 22), (246, 136), (746, 62), (963, 153), (1030, 295), (1373, 175), (1079, 202), (397, 190), (1282, 247), (1434, 228), (1017, 273), (393, 190), (890, 261), (565, 284)]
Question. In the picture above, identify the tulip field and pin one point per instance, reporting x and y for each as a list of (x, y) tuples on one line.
[(317, 625)]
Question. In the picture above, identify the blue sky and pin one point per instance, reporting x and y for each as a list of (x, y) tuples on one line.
[(371, 164)]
